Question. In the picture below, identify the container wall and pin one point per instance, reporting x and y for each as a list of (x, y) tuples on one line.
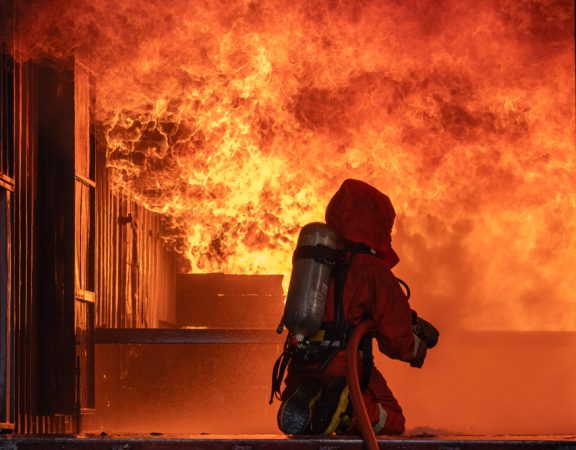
[(7, 382), (135, 274)]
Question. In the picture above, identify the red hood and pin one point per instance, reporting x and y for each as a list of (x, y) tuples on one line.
[(360, 213)]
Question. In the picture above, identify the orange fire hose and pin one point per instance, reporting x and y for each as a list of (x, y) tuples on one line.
[(354, 384)]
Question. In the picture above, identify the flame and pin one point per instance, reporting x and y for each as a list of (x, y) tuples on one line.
[(238, 120)]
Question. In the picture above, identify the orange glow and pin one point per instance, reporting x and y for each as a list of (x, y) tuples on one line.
[(238, 120)]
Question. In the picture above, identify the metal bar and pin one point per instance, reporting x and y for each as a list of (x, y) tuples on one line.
[(85, 180), (281, 442), (85, 296), (6, 182), (185, 336)]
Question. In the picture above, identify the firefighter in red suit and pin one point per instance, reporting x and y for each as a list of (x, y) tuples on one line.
[(317, 403)]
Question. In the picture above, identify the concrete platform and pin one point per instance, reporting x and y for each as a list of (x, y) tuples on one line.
[(265, 442), (217, 381)]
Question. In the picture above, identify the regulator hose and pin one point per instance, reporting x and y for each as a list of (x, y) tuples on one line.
[(354, 383)]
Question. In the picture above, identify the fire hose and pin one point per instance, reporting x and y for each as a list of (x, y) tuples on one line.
[(354, 384)]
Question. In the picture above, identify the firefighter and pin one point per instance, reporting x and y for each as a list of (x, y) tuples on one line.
[(315, 399)]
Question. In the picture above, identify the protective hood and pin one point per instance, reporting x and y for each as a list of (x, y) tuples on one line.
[(359, 212)]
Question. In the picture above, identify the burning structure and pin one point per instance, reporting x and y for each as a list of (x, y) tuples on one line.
[(142, 142)]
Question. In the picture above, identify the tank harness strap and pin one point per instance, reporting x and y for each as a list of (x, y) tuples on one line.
[(319, 252), (405, 285), (352, 249), (340, 274), (278, 373), (342, 328), (339, 328)]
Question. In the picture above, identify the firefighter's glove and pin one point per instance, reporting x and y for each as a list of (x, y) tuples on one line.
[(419, 353), (425, 331)]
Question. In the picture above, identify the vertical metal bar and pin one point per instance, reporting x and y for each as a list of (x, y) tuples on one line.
[(3, 110), (10, 295), (21, 305), (18, 303), (29, 180)]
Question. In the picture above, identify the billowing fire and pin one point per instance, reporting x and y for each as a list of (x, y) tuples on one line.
[(237, 120)]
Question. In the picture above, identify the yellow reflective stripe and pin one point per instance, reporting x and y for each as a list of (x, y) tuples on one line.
[(340, 409), (379, 426), (319, 336)]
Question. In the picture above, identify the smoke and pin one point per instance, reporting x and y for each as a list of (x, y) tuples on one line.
[(238, 120)]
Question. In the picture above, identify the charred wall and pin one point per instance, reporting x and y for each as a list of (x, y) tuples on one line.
[(50, 336), (73, 254), (29, 302), (136, 275), (27, 232), (7, 392)]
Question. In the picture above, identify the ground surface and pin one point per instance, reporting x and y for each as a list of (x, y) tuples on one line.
[(263, 442)]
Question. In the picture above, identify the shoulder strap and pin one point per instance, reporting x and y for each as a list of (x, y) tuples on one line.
[(340, 275), (344, 327), (343, 262)]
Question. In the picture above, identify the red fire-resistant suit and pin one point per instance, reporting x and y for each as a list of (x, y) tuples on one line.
[(360, 213)]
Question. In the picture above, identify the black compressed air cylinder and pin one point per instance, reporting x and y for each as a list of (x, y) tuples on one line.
[(309, 281)]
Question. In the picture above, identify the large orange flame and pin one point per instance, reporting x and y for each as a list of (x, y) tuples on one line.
[(237, 120)]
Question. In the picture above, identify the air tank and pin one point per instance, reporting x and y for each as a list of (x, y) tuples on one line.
[(309, 280)]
